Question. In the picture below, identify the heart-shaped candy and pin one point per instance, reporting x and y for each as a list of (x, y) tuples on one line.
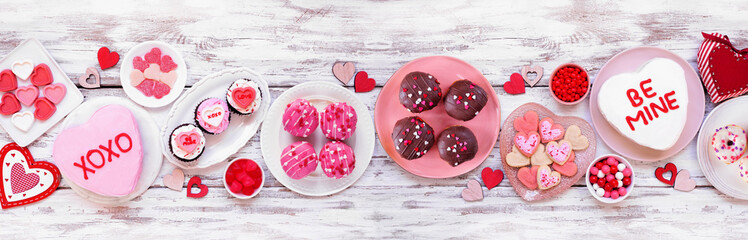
[(574, 136), (538, 70), (90, 72), (540, 158), (343, 71), (549, 131), (515, 85), (41, 76), (103, 155), (683, 181), (188, 141), (567, 169), (25, 180), (136, 77), (516, 158), (547, 178), (23, 69), (491, 177), (55, 92), (473, 192), (243, 96), (152, 72), (9, 104), (527, 123), (195, 181), (8, 81), (167, 64), (27, 94), (169, 78), (649, 106), (139, 64), (527, 143), (107, 59), (559, 152), (174, 180), (660, 172), (44, 108), (23, 120), (528, 176), (153, 56), (363, 83), (213, 115)]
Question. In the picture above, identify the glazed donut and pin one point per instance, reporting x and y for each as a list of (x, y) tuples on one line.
[(743, 169), (728, 143)]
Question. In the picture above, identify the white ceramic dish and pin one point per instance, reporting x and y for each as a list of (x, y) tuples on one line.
[(218, 147), (273, 138), (33, 50), (239, 195), (135, 94), (628, 189), (152, 159), (723, 176)]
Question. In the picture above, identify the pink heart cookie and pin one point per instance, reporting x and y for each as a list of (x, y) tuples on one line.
[(547, 178), (55, 92), (559, 151), (550, 131), (214, 115), (27, 94), (528, 176), (527, 143), (103, 155), (567, 169)]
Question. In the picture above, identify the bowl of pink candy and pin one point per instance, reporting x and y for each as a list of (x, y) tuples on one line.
[(610, 178)]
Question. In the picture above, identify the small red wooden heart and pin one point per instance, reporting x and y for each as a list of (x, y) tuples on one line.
[(363, 83), (669, 167), (515, 85), (196, 182), (107, 59), (491, 178)]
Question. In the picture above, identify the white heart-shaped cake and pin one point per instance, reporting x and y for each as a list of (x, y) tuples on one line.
[(649, 106)]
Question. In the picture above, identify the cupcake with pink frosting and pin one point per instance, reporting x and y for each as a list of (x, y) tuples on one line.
[(338, 121), (300, 118), (337, 159), (299, 160), (212, 115)]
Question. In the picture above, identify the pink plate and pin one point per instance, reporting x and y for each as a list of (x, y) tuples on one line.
[(447, 70), (629, 61)]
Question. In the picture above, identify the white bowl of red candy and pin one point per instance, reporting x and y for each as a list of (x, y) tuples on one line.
[(610, 178), (243, 178)]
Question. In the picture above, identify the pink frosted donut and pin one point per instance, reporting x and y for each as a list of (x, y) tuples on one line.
[(338, 121), (299, 160), (300, 118), (337, 159)]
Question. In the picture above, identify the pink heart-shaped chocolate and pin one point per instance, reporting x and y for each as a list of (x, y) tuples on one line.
[(103, 155), (55, 92), (27, 94)]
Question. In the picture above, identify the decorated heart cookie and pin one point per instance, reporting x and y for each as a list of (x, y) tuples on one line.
[(103, 155), (243, 96), (550, 131), (649, 106), (527, 143), (559, 152), (528, 177), (527, 123), (188, 141), (723, 68), (547, 178), (24, 180), (540, 158), (574, 136), (516, 158)]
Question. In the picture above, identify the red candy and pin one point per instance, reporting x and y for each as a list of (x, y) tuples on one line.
[(593, 179), (569, 84), (153, 88), (243, 177)]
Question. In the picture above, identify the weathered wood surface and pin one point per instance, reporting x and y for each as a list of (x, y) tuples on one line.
[(289, 42)]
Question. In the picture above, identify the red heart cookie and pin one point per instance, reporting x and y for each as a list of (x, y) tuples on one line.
[(527, 123), (515, 85), (24, 180), (527, 143), (528, 177), (243, 96), (44, 109), (669, 167), (8, 81), (41, 75), (363, 83), (9, 104), (107, 59), (491, 178), (568, 169), (196, 182)]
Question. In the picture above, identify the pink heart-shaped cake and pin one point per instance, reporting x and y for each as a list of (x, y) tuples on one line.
[(103, 155)]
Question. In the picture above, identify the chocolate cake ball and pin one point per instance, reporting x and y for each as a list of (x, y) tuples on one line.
[(412, 137), (456, 145), (464, 100), (420, 92)]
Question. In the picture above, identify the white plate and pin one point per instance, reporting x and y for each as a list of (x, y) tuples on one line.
[(135, 94), (241, 128), (723, 176), (33, 50), (273, 138), (152, 159)]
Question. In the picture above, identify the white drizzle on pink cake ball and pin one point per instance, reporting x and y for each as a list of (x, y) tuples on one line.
[(338, 121), (337, 159), (300, 118), (299, 160)]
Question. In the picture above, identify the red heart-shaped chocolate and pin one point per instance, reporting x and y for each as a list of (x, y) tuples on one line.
[(44, 108), (515, 85), (8, 81), (107, 59), (9, 104), (41, 75), (491, 177), (363, 83), (243, 96), (669, 167), (196, 182)]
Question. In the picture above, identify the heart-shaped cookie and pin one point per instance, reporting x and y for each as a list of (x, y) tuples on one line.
[(188, 141), (174, 180), (24, 180), (568, 169), (547, 178), (516, 159), (559, 152), (473, 192), (343, 71), (538, 70), (527, 143), (550, 131), (527, 123), (574, 136), (683, 181), (213, 115), (528, 177), (581, 157), (23, 69), (243, 96), (90, 72), (540, 158)]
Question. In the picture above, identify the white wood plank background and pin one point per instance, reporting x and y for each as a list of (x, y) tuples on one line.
[(293, 41)]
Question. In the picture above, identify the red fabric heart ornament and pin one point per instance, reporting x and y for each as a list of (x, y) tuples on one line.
[(107, 59), (363, 83), (515, 85), (491, 177), (723, 68)]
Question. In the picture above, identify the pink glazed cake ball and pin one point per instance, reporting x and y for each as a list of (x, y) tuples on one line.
[(337, 159), (338, 121), (300, 118), (299, 160)]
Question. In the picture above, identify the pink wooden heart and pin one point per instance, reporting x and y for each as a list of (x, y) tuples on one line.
[(683, 181), (473, 192), (538, 70), (175, 180), (343, 71), (55, 92), (90, 72), (549, 131), (27, 94), (103, 155)]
